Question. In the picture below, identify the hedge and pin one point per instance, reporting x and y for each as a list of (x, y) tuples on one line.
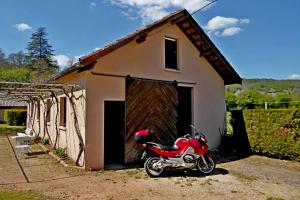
[(274, 133), (15, 117), (4, 128)]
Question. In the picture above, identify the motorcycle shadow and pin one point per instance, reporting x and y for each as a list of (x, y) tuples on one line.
[(192, 173)]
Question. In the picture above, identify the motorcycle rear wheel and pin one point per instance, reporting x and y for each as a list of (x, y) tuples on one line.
[(206, 169), (149, 167)]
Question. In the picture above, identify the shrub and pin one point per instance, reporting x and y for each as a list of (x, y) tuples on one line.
[(11, 129), (60, 152), (45, 141), (15, 117), (274, 133), (229, 121)]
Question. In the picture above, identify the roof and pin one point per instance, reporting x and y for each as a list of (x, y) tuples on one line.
[(9, 103), (188, 26)]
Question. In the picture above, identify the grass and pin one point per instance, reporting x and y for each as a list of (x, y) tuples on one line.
[(274, 198), (10, 195), (132, 172), (5, 128), (243, 176)]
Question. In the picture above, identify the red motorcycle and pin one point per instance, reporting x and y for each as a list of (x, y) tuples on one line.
[(188, 152)]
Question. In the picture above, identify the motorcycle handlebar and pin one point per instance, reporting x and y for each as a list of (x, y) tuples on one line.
[(187, 136)]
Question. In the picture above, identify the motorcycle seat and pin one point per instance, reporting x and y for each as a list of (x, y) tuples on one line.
[(170, 148), (166, 148)]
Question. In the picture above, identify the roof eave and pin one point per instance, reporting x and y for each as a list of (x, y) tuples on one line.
[(230, 77), (222, 66)]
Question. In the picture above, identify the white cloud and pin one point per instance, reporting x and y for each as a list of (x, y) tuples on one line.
[(128, 15), (152, 13), (219, 22), (244, 21), (22, 27), (92, 4), (294, 76), (231, 31), (151, 10), (225, 26), (63, 60)]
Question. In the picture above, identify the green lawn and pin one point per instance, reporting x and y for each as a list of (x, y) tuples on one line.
[(4, 128), (9, 195)]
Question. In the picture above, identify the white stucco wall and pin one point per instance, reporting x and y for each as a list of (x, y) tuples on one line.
[(67, 137), (146, 60), (99, 90)]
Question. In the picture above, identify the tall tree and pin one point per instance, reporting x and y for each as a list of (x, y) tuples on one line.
[(16, 59), (2, 54), (3, 62), (39, 49)]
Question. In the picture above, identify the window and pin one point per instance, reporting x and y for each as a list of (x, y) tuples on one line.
[(63, 111), (48, 109), (171, 53)]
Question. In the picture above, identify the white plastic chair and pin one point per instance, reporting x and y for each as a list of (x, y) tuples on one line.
[(28, 132), (23, 142)]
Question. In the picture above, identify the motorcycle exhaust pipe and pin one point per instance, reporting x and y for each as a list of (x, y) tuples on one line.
[(162, 163)]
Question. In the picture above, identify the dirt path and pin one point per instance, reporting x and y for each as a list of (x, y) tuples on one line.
[(9, 164), (251, 178)]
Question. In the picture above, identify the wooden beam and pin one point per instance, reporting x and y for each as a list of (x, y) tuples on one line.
[(196, 37), (190, 31), (213, 57), (205, 53), (141, 38), (200, 42), (205, 47), (185, 24)]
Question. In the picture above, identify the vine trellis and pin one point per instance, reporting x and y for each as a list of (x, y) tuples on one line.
[(35, 94)]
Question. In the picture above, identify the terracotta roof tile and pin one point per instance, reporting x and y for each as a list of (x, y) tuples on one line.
[(189, 27)]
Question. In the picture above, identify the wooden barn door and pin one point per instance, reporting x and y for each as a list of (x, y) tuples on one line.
[(150, 105)]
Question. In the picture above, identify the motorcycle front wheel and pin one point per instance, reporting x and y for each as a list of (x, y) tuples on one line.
[(151, 169), (208, 167)]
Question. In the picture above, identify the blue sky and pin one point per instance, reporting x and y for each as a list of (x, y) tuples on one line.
[(261, 39)]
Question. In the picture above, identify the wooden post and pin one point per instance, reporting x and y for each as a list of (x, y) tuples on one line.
[(266, 105)]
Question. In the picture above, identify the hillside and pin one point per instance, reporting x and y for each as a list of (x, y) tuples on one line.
[(267, 85)]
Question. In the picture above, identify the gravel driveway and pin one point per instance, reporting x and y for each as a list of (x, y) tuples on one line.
[(254, 177)]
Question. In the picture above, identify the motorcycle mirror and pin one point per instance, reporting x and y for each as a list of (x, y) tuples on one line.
[(195, 130)]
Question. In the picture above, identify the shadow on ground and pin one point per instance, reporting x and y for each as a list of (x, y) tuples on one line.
[(193, 173)]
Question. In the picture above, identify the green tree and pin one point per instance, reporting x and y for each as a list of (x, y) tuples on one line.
[(42, 71), (2, 55), (282, 100), (16, 74), (39, 49), (16, 59), (3, 62), (252, 99), (231, 101)]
